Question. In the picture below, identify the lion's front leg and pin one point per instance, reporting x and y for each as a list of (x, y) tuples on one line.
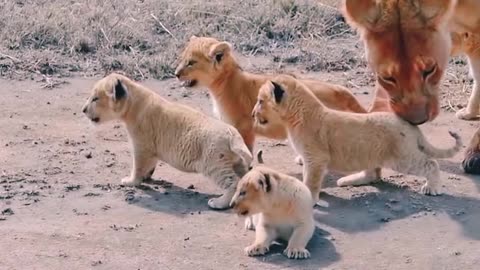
[(143, 166)]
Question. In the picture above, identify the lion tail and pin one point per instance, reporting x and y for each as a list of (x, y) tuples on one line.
[(435, 152)]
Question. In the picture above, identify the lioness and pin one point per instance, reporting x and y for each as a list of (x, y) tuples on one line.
[(408, 43), (159, 129), (346, 142), (277, 206), (210, 63)]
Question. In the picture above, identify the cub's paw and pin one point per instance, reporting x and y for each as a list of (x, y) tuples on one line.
[(218, 203), (297, 253), (256, 250), (128, 181), (299, 160), (465, 115), (249, 224), (430, 190)]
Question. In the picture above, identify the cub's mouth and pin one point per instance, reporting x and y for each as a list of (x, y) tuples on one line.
[(261, 120), (189, 83)]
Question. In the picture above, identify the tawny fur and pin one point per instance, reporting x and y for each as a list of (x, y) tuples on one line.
[(408, 44), (162, 130), (210, 63), (277, 206), (346, 142)]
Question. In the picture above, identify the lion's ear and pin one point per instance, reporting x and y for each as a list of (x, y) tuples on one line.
[(436, 12), (265, 183), (219, 50), (362, 13), (119, 91), (277, 92)]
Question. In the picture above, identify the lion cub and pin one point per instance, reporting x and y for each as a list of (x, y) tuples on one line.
[(159, 129), (210, 63), (348, 142), (279, 206)]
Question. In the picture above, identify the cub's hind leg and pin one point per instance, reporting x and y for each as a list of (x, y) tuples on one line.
[(427, 168), (360, 178), (225, 175)]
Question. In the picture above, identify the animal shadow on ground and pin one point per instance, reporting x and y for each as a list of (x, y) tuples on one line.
[(165, 197), (322, 251), (371, 210)]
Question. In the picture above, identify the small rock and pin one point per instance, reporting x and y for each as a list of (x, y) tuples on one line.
[(88, 155), (191, 187), (91, 194), (457, 253), (186, 239), (95, 263), (385, 219), (8, 212), (459, 213), (72, 188)]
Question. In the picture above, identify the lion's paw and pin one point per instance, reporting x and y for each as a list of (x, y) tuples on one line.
[(128, 181), (256, 250), (297, 253), (465, 115), (430, 190)]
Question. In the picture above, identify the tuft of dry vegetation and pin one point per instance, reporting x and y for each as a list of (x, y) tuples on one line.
[(143, 37)]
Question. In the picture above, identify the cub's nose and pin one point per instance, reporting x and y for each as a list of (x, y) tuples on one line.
[(84, 109), (232, 204)]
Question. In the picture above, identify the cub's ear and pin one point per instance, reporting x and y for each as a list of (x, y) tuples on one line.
[(119, 91), (265, 184), (277, 92), (193, 37), (219, 50)]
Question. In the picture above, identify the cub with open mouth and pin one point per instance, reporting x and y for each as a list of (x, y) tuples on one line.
[(279, 206)]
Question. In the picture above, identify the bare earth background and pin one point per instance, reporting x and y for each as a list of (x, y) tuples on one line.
[(61, 205)]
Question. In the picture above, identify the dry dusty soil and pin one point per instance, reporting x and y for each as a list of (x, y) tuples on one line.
[(61, 205)]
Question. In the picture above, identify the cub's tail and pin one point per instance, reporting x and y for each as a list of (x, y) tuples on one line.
[(434, 152)]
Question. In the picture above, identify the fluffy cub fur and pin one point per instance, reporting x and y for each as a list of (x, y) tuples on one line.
[(277, 206), (346, 142), (159, 129), (210, 63)]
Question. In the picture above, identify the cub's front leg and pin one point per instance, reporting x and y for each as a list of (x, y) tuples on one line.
[(314, 172), (143, 166), (301, 235), (264, 235)]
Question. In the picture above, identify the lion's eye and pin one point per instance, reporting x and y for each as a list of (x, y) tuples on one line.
[(94, 99), (242, 193), (191, 63), (426, 73)]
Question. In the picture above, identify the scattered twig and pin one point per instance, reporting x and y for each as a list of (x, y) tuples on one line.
[(14, 59), (163, 26), (105, 35)]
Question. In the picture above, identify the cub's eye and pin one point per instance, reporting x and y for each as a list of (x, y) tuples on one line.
[(94, 99), (388, 79), (191, 63), (426, 73), (242, 193)]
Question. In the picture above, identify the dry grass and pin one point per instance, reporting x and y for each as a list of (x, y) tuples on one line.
[(143, 37)]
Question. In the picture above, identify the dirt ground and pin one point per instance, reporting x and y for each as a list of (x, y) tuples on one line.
[(62, 206)]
